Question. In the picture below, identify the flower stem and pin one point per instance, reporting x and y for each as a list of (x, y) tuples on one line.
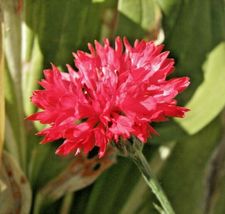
[(142, 164)]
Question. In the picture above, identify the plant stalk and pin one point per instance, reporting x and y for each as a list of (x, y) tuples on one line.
[(142, 164)]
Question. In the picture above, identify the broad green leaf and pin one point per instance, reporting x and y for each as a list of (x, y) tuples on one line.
[(208, 100), (192, 29), (16, 195), (168, 131), (183, 177), (63, 27), (110, 190), (138, 18), (44, 159)]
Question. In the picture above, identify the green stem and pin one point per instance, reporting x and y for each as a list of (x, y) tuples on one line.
[(67, 203), (38, 203), (142, 164)]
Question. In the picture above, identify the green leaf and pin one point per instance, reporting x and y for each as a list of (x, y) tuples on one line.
[(32, 72), (159, 209), (98, 1), (2, 96), (11, 144), (192, 29), (137, 18), (67, 203), (32, 56), (63, 27), (12, 39), (219, 197), (108, 187), (215, 181), (207, 102), (15, 132), (139, 11), (12, 49), (183, 177), (168, 131), (16, 193)]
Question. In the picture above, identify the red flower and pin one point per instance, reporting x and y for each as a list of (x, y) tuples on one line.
[(113, 95)]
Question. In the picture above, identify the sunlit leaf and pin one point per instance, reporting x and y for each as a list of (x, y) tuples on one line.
[(138, 19), (192, 30), (208, 100), (32, 73)]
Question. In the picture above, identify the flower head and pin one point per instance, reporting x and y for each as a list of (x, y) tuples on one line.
[(113, 95)]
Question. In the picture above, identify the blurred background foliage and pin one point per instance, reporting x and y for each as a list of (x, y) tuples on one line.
[(189, 154)]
